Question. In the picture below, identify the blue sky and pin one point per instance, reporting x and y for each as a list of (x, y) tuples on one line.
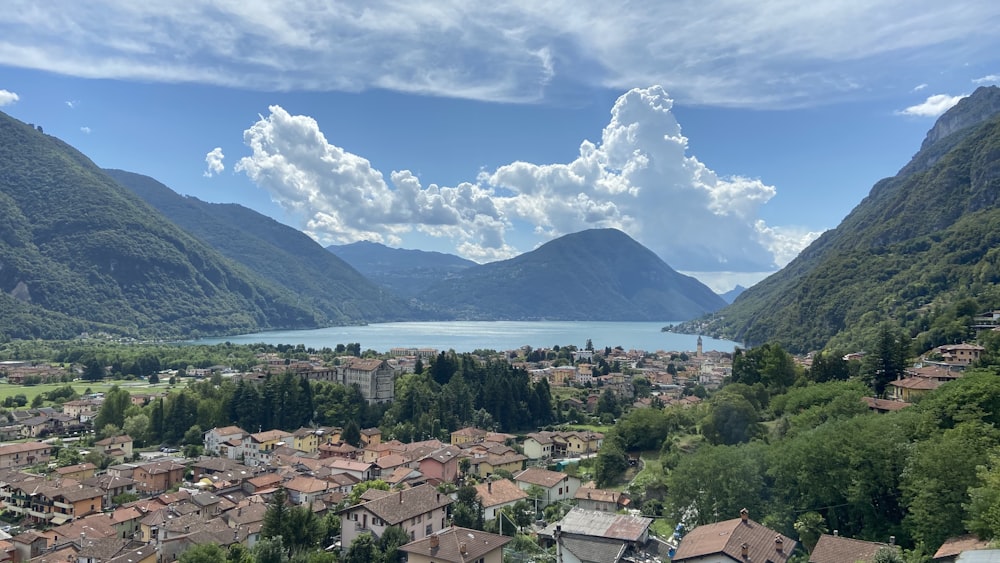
[(723, 135)]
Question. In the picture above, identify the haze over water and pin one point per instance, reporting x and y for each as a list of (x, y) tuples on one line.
[(466, 336)]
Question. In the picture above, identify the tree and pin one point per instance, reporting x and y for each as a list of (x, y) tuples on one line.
[(467, 511), (732, 419), (204, 553), (392, 538), (269, 550), (810, 526), (116, 402), (611, 461), (154, 378), (137, 426), (716, 482), (887, 360), (363, 550), (93, 370), (351, 434), (360, 488), (276, 515)]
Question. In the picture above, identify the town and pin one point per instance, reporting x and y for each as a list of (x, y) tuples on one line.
[(127, 474)]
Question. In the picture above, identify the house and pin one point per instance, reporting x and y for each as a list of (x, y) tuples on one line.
[(257, 447), (491, 463), (953, 547), (374, 377), (118, 448), (740, 539), (441, 464), (216, 437), (837, 549), (371, 437), (557, 486), (158, 477), (112, 486), (589, 498), (586, 535), (543, 445), (468, 435), (305, 490), (24, 454), (457, 545), (78, 472), (960, 354), (910, 389), (420, 511), (495, 495)]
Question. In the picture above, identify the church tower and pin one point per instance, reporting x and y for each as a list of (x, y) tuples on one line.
[(699, 346)]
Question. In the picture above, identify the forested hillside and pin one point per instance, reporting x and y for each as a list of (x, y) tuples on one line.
[(919, 243), (79, 252), (280, 254)]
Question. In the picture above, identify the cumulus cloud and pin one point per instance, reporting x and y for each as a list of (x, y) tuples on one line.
[(7, 97), (213, 162), (933, 106), (638, 178), (988, 79), (71, 104), (764, 53), (85, 130)]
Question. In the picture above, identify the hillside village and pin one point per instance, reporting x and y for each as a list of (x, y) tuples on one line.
[(119, 502)]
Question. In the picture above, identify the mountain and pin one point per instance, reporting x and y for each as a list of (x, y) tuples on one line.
[(732, 294), (406, 272), (921, 241), (600, 275), (275, 252), (78, 252)]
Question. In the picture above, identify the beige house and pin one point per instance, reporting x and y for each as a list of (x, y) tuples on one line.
[(457, 545), (420, 511), (118, 448)]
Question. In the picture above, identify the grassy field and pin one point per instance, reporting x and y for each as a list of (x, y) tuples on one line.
[(603, 429), (30, 391)]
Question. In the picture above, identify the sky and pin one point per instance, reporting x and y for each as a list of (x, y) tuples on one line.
[(724, 136)]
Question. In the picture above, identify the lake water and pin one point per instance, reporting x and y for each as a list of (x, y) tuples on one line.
[(466, 336)]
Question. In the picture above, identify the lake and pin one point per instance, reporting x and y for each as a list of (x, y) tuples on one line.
[(466, 336)]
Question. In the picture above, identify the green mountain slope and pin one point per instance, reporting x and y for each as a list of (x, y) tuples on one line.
[(921, 239), (276, 252), (600, 274), (79, 252), (404, 271)]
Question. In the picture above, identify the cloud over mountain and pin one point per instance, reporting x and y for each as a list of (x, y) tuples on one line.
[(7, 97), (637, 178)]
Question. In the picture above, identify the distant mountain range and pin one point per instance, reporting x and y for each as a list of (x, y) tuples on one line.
[(599, 274), (732, 294), (920, 242), (84, 249), (404, 271)]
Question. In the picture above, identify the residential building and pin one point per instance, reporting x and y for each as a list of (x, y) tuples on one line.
[(590, 498), (837, 549), (740, 539), (420, 511), (24, 454), (257, 447), (557, 486), (497, 494), (216, 437), (158, 477), (118, 448), (586, 536), (457, 545), (441, 464), (953, 547), (78, 472), (468, 435)]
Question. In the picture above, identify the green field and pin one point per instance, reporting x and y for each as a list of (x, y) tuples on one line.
[(30, 391)]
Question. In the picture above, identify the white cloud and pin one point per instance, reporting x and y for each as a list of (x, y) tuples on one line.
[(919, 87), (637, 178), (85, 130), (728, 52), (988, 79), (7, 97), (933, 106), (213, 162), (71, 104)]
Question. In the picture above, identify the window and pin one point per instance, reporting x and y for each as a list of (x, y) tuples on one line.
[(428, 530)]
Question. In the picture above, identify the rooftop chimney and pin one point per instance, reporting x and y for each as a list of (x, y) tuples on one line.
[(892, 540), (434, 542), (489, 486), (744, 549), (744, 514), (401, 496), (779, 544), (463, 548), (836, 533)]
